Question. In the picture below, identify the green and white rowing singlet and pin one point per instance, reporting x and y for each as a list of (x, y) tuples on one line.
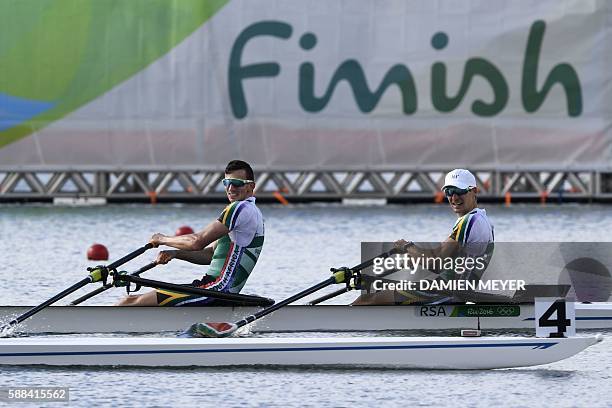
[(237, 252), (234, 257)]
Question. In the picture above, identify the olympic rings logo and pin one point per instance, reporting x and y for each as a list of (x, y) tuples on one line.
[(507, 310)]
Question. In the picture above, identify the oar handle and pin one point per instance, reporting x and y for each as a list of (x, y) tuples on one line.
[(110, 285)]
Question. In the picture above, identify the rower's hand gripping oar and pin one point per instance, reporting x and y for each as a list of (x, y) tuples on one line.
[(97, 274), (350, 276), (110, 285)]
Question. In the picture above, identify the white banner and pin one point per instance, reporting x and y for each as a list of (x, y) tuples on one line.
[(343, 85)]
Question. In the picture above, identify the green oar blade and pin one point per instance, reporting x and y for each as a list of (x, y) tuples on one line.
[(218, 329)]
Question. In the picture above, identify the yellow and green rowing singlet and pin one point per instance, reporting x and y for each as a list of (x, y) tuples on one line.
[(234, 257)]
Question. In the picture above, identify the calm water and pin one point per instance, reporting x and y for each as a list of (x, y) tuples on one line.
[(44, 251)]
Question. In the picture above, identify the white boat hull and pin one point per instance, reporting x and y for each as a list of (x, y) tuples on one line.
[(330, 318), (398, 352)]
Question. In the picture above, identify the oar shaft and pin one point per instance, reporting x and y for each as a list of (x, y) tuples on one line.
[(256, 300), (93, 277), (144, 269), (285, 302), (129, 257), (349, 276), (370, 262), (110, 285), (329, 296), (54, 299), (90, 295), (309, 291)]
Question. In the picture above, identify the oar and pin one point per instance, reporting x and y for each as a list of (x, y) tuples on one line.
[(95, 275), (250, 300), (370, 262), (341, 275), (129, 257), (110, 285), (223, 329), (328, 296)]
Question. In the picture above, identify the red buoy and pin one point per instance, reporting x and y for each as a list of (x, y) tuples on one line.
[(97, 252), (184, 230)]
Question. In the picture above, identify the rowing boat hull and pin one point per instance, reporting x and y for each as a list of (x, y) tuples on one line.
[(393, 352), (330, 318)]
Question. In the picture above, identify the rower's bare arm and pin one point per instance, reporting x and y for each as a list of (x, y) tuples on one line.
[(402, 246), (203, 257), (448, 248), (192, 242)]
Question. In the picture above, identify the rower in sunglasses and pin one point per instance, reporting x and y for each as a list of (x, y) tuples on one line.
[(236, 182), (472, 236), (230, 245)]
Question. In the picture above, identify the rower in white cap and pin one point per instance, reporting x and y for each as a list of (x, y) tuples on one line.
[(472, 236)]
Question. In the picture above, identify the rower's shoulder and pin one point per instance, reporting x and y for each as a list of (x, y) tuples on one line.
[(476, 213)]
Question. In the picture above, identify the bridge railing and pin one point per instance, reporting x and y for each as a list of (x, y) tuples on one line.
[(302, 185)]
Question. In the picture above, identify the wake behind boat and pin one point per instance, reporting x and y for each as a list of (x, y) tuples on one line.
[(297, 318), (388, 352)]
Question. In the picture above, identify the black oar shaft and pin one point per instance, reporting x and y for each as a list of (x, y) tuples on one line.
[(129, 257), (285, 302), (76, 286), (256, 300), (110, 285), (350, 276), (313, 289), (54, 299), (329, 296), (90, 295), (370, 262)]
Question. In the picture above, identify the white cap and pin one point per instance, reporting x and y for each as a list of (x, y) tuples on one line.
[(460, 178)]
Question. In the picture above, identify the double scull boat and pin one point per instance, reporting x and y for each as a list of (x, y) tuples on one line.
[(360, 351)]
